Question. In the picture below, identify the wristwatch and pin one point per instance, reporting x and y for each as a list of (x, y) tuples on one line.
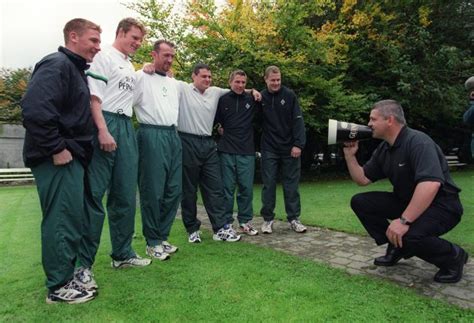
[(404, 221)]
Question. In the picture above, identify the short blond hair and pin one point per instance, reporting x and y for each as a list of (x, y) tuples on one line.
[(127, 23), (79, 25), (271, 69)]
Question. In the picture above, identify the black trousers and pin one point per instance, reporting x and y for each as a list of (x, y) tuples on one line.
[(374, 209), (291, 170), (201, 167)]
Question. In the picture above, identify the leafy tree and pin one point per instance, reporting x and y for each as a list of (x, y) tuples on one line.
[(13, 85), (339, 56), (252, 35), (418, 52)]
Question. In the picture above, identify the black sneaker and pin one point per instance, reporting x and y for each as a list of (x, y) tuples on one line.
[(71, 293)]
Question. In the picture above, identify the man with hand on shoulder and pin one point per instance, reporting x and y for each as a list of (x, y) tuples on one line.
[(234, 116), (114, 164), (198, 105), (156, 105)]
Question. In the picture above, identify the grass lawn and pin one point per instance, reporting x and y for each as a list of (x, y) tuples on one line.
[(325, 203), (207, 282)]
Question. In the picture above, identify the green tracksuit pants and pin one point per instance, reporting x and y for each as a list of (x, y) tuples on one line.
[(201, 167), (159, 180), (115, 172), (238, 170), (61, 194)]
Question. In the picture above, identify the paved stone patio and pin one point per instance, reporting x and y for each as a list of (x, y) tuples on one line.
[(355, 254)]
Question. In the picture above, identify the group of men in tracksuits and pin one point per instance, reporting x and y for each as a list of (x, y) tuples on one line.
[(172, 154), (283, 138), (80, 144)]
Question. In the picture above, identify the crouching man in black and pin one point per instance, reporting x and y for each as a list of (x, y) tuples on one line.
[(424, 203)]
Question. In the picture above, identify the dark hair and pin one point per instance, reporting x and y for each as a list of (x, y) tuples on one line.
[(127, 23), (200, 66), (156, 46), (389, 108), (235, 73), (79, 26)]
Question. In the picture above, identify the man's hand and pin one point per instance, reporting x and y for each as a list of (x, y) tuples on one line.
[(106, 141), (356, 171), (256, 95), (350, 148), (149, 68), (295, 152), (395, 232), (62, 158)]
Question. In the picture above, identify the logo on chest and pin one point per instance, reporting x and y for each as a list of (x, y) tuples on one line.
[(126, 84), (282, 102), (247, 106)]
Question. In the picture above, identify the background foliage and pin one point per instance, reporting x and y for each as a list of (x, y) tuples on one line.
[(12, 86), (339, 56)]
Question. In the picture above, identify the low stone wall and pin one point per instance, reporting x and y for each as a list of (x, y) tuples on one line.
[(11, 146)]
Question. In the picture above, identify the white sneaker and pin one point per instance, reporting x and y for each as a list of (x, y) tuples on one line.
[(248, 229), (70, 293), (168, 247), (157, 252), (297, 226), (136, 261), (267, 227), (226, 233), (85, 278), (195, 237)]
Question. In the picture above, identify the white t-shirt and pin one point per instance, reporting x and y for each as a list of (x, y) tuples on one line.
[(197, 110), (156, 99), (111, 78)]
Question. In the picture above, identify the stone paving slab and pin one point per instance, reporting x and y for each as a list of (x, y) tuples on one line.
[(355, 254)]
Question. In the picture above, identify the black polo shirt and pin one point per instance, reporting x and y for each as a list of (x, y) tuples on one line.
[(413, 158), (235, 113)]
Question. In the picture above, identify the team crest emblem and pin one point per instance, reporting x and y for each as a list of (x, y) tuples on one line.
[(247, 106), (282, 102), (165, 91)]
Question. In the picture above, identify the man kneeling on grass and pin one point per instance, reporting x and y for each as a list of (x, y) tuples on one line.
[(424, 203)]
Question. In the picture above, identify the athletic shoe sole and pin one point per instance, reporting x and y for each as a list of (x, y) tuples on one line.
[(162, 258), (76, 301), (226, 240), (127, 265)]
